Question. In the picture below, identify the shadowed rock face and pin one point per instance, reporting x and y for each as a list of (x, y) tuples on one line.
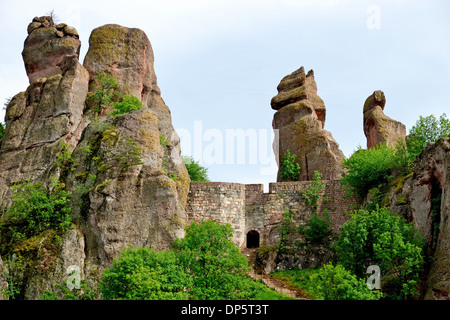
[(431, 181), (378, 127), (300, 120)]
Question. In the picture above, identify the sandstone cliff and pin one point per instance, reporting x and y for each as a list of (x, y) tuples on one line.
[(300, 119), (424, 199), (117, 200)]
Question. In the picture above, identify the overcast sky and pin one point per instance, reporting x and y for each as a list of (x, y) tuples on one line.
[(218, 62)]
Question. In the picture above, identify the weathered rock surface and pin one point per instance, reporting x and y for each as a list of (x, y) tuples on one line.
[(55, 267), (3, 280), (431, 182), (300, 120), (126, 53), (38, 120), (423, 198), (49, 49), (378, 127), (119, 174)]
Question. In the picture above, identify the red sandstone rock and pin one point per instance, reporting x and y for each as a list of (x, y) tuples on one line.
[(300, 120), (47, 47), (378, 127)]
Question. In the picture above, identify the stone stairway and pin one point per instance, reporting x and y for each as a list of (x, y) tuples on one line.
[(269, 281), (278, 285)]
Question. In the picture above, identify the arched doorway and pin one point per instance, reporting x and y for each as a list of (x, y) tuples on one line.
[(252, 239)]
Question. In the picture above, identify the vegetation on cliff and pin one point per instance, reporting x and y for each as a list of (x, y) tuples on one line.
[(204, 265)]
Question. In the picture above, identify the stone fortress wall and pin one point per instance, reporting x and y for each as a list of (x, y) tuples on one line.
[(248, 209)]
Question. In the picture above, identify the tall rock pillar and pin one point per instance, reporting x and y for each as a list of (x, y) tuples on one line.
[(300, 119)]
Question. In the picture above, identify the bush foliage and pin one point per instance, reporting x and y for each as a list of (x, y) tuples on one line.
[(34, 210), (195, 170), (289, 169), (382, 238), (129, 103), (427, 130)]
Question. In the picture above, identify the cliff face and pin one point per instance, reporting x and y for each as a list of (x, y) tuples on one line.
[(424, 199), (300, 120), (119, 173)]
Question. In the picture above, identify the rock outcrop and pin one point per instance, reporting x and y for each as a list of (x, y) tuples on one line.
[(424, 198), (126, 53), (378, 127), (300, 119), (49, 49), (127, 189), (47, 114), (429, 201)]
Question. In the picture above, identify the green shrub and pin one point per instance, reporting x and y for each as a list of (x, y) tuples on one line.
[(35, 209), (129, 103), (289, 169), (104, 93), (336, 283), (313, 193), (2, 130), (196, 171), (317, 228), (427, 130), (369, 168), (163, 141), (382, 238), (145, 274), (217, 268), (285, 228)]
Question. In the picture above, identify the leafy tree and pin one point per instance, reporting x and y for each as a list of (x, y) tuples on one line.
[(382, 238), (289, 169), (313, 193), (129, 103), (195, 170), (35, 209), (104, 92), (217, 268), (145, 274), (317, 227), (336, 283), (427, 130), (369, 168)]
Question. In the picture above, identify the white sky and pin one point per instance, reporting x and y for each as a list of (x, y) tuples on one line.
[(220, 61)]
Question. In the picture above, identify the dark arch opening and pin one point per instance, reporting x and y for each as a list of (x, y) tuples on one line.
[(252, 239)]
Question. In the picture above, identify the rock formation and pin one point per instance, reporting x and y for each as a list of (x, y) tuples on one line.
[(378, 127), (118, 177), (49, 49), (48, 113), (300, 119), (423, 198)]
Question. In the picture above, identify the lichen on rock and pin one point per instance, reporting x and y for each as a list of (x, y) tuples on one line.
[(378, 127), (300, 119)]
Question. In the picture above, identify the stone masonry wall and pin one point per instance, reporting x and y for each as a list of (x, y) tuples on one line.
[(246, 207)]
